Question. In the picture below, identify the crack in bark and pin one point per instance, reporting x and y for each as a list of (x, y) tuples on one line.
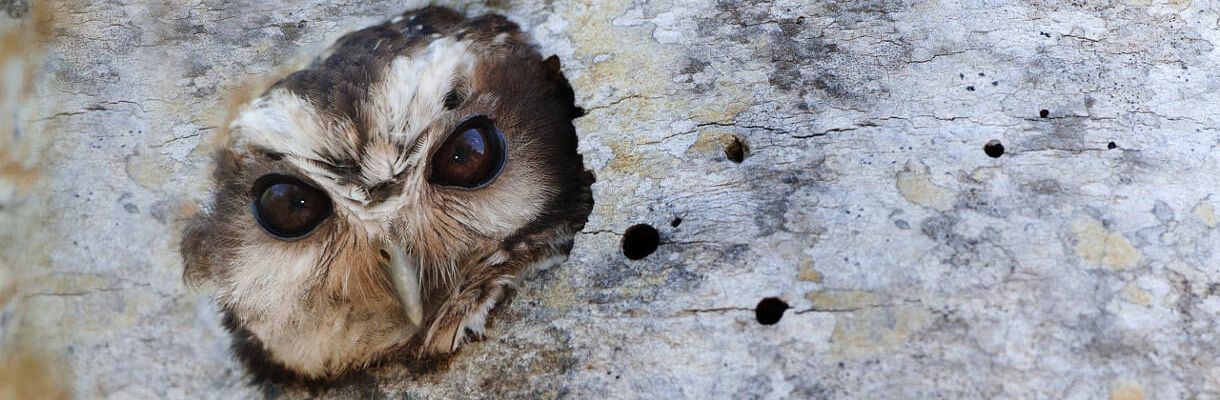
[(935, 56), (613, 103), (721, 310)]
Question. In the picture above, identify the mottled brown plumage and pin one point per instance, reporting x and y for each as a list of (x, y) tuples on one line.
[(361, 125)]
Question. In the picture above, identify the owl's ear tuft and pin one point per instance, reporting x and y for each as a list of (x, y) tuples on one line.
[(552, 64), (554, 72)]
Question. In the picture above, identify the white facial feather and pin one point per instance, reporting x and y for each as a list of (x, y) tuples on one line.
[(411, 96), (267, 286)]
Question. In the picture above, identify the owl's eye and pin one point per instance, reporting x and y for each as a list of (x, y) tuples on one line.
[(287, 208), (471, 157)]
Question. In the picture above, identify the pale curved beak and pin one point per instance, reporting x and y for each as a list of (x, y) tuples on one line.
[(404, 274)]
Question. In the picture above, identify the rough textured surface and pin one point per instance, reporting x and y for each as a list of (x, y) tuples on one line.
[(1081, 263)]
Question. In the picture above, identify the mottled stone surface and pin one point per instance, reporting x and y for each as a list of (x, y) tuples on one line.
[(1082, 263)]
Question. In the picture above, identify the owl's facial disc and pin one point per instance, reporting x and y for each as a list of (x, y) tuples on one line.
[(471, 157), (287, 208), (402, 185)]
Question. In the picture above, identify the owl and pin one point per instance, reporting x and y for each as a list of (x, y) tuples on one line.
[(380, 203)]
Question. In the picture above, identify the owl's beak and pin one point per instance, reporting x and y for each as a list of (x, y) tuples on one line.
[(404, 273)]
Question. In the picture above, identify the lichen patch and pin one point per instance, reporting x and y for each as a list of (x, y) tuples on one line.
[(915, 186), (1098, 246)]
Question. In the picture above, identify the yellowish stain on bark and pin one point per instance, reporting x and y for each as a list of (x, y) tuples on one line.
[(1127, 391), (807, 273), (915, 186), (1098, 246), (1134, 295), (832, 300), (1207, 213), (875, 331)]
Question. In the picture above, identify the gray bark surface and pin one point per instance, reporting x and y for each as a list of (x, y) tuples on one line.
[(1080, 264)]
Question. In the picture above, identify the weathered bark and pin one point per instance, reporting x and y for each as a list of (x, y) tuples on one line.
[(1080, 263)]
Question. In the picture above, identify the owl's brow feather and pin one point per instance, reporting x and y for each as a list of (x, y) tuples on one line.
[(349, 169), (336, 167)]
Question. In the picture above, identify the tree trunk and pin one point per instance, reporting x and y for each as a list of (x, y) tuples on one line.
[(953, 200)]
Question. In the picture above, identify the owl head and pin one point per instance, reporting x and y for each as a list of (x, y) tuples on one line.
[(382, 201)]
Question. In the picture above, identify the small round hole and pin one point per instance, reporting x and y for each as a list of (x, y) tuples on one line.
[(1112, 146), (677, 221), (1044, 113), (770, 310), (994, 149), (639, 241), (736, 150)]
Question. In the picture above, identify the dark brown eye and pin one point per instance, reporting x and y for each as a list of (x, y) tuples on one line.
[(287, 208), (471, 157)]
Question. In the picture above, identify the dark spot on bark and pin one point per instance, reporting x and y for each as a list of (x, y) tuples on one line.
[(939, 228), (864, 10), (639, 241), (830, 85), (1111, 146), (1044, 113), (703, 82), (677, 221), (770, 310), (787, 76), (161, 211), (970, 88), (790, 29), (701, 88), (694, 66), (292, 30), (981, 200), (1163, 212), (195, 68), (707, 27), (994, 149), (802, 388)]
